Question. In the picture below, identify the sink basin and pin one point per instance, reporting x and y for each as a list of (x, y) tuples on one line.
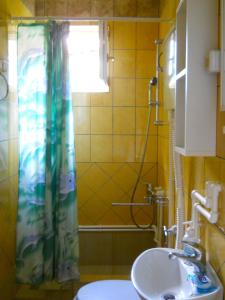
[(156, 277)]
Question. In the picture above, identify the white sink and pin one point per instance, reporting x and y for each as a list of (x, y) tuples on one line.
[(156, 277)]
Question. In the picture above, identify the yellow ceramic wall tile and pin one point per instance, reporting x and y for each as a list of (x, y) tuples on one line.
[(82, 120), (95, 178), (163, 152), (197, 178), (124, 35), (101, 120), (124, 214), (125, 8), (111, 35), (81, 8), (146, 61), (123, 92), (215, 245), (83, 193), (110, 67), (13, 157), (81, 99), (123, 148), (27, 293), (82, 168), (83, 219), (110, 168), (222, 172), (142, 218), (162, 177), (187, 205), (110, 217), (110, 192), (212, 169), (150, 173), (82, 148), (168, 9), (125, 178), (102, 8), (95, 209), (101, 99), (142, 92), (6, 279), (101, 148), (3, 34), (123, 120), (151, 153), (187, 173), (124, 64), (142, 115), (220, 135), (147, 33), (99, 262), (163, 130), (136, 242)]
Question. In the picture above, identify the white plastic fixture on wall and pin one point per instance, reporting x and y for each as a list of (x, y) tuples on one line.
[(205, 205), (222, 74)]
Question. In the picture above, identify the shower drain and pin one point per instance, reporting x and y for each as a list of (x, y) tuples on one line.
[(168, 297)]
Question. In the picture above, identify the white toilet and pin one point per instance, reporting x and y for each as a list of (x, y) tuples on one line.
[(108, 290)]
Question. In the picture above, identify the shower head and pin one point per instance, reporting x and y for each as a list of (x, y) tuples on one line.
[(153, 81), (158, 42)]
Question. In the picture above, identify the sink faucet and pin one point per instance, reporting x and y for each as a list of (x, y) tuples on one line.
[(194, 253)]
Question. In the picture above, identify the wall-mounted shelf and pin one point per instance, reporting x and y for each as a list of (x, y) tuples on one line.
[(196, 91)]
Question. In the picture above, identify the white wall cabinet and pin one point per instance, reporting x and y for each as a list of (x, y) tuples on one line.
[(196, 88)]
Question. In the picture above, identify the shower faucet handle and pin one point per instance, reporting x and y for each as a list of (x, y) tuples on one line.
[(149, 188)]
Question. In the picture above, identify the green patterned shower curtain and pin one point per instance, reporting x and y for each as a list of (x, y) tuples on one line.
[(47, 238)]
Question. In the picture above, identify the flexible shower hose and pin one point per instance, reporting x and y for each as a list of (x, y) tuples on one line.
[(139, 175)]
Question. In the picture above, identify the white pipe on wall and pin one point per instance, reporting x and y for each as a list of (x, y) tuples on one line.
[(112, 228), (179, 193), (198, 201), (171, 179), (196, 195), (205, 213)]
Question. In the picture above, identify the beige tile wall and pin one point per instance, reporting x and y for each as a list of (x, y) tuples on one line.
[(98, 8)]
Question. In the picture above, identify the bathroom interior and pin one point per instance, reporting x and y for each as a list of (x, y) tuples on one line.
[(164, 106)]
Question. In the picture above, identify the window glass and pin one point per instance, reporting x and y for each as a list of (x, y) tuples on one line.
[(86, 59)]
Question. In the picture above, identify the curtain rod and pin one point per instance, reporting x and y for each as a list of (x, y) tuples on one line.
[(111, 228), (76, 19)]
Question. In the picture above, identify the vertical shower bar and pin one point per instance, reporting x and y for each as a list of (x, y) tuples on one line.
[(157, 86), (158, 69)]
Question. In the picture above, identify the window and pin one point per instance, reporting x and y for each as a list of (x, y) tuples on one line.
[(171, 61), (87, 46)]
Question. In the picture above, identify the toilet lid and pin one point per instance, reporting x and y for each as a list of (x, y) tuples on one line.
[(108, 290)]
